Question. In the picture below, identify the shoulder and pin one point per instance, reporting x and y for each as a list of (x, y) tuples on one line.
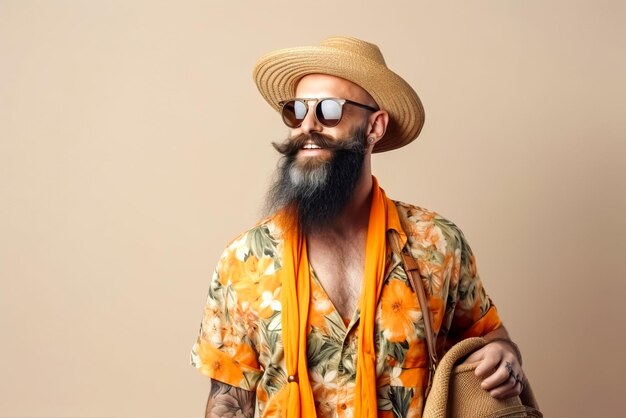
[(262, 239), (428, 228), (257, 247)]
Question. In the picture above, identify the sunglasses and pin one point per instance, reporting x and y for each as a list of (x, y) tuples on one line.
[(328, 111)]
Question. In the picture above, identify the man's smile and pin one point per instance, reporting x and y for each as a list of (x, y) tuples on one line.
[(311, 149)]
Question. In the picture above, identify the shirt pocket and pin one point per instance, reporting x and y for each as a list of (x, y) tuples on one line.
[(404, 394), (408, 377), (407, 363)]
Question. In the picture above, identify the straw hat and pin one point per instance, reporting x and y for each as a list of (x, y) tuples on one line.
[(276, 75)]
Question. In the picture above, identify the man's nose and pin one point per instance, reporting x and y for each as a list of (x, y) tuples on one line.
[(310, 122)]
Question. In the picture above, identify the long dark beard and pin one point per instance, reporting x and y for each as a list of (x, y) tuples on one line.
[(316, 190)]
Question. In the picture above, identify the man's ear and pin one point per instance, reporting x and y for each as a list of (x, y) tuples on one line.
[(378, 125)]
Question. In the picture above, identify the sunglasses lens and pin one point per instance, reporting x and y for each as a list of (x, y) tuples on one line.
[(328, 112), (293, 113)]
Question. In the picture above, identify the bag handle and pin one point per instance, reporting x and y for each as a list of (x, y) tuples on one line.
[(412, 269)]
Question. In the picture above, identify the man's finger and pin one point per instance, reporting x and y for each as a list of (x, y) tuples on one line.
[(488, 365), (475, 357), (503, 392), (500, 377), (506, 391)]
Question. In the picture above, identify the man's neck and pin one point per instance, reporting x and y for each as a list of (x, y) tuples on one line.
[(353, 220)]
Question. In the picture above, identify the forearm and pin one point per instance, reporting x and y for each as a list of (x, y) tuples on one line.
[(498, 333), (225, 400)]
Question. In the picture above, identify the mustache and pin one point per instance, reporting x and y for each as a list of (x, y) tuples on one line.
[(291, 146)]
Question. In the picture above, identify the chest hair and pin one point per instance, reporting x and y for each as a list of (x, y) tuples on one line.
[(339, 266)]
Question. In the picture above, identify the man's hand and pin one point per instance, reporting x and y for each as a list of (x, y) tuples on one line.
[(499, 366)]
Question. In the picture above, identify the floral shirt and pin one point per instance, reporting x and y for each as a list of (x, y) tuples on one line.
[(240, 340)]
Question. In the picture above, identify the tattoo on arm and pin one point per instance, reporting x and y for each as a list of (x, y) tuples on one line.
[(229, 401)]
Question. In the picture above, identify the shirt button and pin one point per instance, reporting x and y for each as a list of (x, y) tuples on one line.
[(292, 378)]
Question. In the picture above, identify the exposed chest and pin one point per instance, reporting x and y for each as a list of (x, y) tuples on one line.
[(339, 268)]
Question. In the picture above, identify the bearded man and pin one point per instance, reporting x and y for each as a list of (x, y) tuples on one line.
[(310, 312)]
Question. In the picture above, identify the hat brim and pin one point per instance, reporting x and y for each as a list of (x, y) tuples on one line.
[(277, 74)]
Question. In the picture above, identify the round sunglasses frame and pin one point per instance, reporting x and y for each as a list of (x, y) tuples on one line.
[(317, 109)]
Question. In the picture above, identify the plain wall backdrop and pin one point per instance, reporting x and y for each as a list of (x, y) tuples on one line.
[(134, 146)]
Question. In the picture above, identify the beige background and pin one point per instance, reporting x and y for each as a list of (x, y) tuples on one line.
[(133, 146)]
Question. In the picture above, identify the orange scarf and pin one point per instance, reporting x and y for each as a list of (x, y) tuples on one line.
[(295, 298)]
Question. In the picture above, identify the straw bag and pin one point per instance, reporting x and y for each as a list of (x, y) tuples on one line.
[(453, 389)]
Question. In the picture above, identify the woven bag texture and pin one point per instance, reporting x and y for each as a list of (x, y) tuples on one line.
[(456, 391)]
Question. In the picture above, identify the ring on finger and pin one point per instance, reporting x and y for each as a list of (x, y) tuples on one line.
[(509, 368)]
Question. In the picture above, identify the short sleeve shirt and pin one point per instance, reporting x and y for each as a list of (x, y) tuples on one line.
[(240, 339)]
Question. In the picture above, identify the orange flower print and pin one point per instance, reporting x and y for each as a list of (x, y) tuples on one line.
[(255, 268), (434, 236), (416, 405), (434, 273), (240, 341), (473, 265), (269, 303), (246, 283), (399, 312), (212, 330), (274, 408), (345, 406), (427, 216), (246, 356), (261, 394), (231, 338), (428, 235), (324, 391), (416, 354), (320, 307), (229, 266), (456, 269), (410, 377), (395, 376), (218, 365), (405, 377), (247, 318), (268, 296)]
